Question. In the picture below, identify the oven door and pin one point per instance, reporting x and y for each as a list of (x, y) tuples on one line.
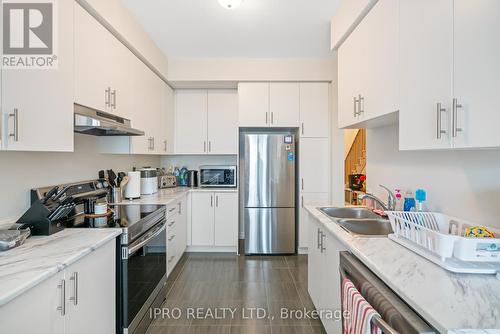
[(218, 176), (144, 272)]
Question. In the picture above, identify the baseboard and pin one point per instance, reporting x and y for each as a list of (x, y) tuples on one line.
[(212, 249)]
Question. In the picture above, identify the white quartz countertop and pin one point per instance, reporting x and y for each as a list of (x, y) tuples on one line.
[(168, 195), (41, 257), (452, 303)]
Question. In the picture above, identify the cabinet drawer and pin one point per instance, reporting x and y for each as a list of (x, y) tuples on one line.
[(172, 209)]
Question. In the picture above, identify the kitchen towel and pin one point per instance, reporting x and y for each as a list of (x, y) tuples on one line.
[(360, 312)]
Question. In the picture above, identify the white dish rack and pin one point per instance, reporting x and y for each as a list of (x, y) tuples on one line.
[(440, 238)]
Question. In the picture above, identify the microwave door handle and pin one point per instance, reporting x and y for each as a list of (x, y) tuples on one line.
[(143, 241)]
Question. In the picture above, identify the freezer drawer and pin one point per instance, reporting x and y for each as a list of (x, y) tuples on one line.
[(269, 230)]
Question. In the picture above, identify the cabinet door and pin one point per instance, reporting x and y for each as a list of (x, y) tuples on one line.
[(202, 219), (41, 303), (183, 222), (349, 74), (253, 104), (284, 105), (191, 122), (169, 118), (425, 75), (315, 165), (477, 72), (42, 99), (158, 119), (319, 199), (93, 61), (314, 263), (314, 110), (379, 61), (222, 122), (90, 289), (226, 219)]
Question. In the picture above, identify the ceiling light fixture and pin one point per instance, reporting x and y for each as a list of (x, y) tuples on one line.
[(230, 4)]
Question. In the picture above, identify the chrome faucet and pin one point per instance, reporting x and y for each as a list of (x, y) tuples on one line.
[(391, 200)]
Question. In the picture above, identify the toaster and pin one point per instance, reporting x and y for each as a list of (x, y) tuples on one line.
[(167, 181)]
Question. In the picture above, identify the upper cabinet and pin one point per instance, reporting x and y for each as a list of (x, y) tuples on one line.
[(448, 97), (206, 122), (314, 109), (284, 108), (368, 69), (37, 104), (100, 59)]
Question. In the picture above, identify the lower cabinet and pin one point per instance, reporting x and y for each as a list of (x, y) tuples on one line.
[(318, 199), (80, 299), (214, 219), (176, 232), (323, 273)]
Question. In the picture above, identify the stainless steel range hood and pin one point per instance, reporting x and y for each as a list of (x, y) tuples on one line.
[(99, 123)]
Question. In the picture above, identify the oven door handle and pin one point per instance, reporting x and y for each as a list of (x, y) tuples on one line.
[(145, 239)]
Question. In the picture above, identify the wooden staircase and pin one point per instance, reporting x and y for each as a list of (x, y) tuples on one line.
[(355, 161)]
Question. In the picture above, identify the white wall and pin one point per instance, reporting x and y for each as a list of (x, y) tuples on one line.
[(465, 184), (21, 171), (195, 161)]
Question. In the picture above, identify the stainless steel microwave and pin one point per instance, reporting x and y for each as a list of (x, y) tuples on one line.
[(218, 176)]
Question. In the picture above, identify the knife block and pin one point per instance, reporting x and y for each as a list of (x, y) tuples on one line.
[(36, 218)]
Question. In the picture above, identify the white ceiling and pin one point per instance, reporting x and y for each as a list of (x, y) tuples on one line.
[(256, 29)]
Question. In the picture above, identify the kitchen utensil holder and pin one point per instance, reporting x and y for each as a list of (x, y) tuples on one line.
[(36, 218), (442, 235)]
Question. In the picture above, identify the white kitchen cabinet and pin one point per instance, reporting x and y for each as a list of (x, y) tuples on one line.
[(176, 232), (37, 105), (284, 104), (100, 79), (314, 165), (226, 219), (318, 199), (51, 304), (476, 69), (370, 90), (90, 289), (41, 303), (253, 104), (169, 119), (349, 57), (314, 109), (191, 122), (222, 122), (214, 219), (425, 75), (323, 272), (202, 219)]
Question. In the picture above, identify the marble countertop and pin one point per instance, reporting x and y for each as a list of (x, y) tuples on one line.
[(41, 257), (452, 303), (168, 195)]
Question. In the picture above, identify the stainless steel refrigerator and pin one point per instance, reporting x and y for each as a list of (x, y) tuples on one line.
[(267, 191)]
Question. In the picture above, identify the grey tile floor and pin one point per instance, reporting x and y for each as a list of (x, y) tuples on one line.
[(210, 283)]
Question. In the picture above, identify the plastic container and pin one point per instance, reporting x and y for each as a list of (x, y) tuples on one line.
[(409, 203), (443, 236)]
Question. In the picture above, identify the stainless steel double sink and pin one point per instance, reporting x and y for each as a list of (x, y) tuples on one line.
[(358, 220)]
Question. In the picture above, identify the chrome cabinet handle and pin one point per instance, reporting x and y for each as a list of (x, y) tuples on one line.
[(302, 183), (217, 201), (113, 99), (266, 117), (107, 97), (62, 307), (15, 134), (165, 146), (355, 106), (439, 111), (302, 126), (302, 200), (211, 200), (360, 100), (171, 258), (209, 146), (456, 129), (322, 239), (272, 117), (171, 238), (171, 210), (172, 223), (319, 233), (153, 143), (74, 278), (204, 146)]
